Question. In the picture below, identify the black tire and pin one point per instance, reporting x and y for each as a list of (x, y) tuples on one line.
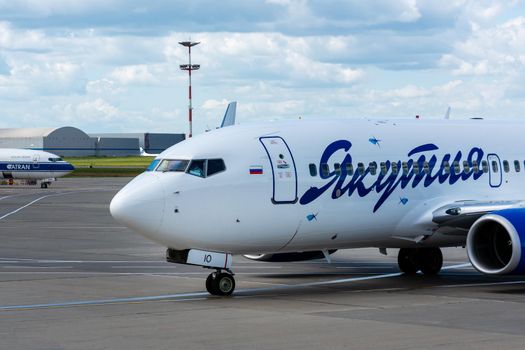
[(43, 185), (224, 284), (408, 260), (210, 283), (431, 261)]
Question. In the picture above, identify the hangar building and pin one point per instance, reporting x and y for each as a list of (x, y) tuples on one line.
[(72, 142), (65, 141), (150, 142)]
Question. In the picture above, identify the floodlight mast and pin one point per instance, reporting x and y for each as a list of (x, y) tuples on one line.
[(189, 67)]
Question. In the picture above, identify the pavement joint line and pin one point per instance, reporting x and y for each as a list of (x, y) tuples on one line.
[(181, 296), (486, 284)]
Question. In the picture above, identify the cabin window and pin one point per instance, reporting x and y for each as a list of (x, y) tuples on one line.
[(395, 168), (485, 166), (197, 168), (506, 166), (494, 166), (373, 168), (446, 166), (313, 169), (337, 168), (466, 167), (215, 166), (415, 168), (475, 166), (325, 170), (173, 165), (384, 169), (457, 168), (349, 169), (404, 165), (517, 166), (426, 168), (361, 168)]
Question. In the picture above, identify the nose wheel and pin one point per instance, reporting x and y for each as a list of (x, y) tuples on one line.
[(220, 283)]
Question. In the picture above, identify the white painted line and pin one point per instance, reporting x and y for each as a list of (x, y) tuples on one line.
[(458, 266), (142, 267), (186, 296), (33, 202)]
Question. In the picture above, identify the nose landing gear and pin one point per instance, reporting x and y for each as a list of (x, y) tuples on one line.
[(427, 260), (220, 283)]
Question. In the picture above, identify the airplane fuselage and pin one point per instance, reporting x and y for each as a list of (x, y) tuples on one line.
[(309, 185), (31, 165)]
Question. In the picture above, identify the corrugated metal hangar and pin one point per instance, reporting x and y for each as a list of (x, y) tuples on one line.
[(149, 142), (72, 142)]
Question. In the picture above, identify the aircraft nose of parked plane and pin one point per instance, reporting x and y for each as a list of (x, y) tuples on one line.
[(69, 168), (140, 205)]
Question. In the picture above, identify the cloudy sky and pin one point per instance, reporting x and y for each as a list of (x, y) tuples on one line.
[(113, 65)]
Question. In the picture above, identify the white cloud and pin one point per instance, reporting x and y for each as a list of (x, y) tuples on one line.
[(278, 59), (138, 74), (213, 104)]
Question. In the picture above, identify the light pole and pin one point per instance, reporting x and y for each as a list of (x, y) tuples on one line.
[(189, 67)]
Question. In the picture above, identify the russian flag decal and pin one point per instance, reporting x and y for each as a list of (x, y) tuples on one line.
[(256, 170)]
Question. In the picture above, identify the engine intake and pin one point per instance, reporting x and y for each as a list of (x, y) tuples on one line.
[(495, 243)]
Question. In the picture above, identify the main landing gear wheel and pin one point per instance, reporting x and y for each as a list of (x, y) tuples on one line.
[(431, 261), (427, 260), (43, 185), (220, 283)]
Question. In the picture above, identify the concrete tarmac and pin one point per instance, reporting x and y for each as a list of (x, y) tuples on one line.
[(73, 278)]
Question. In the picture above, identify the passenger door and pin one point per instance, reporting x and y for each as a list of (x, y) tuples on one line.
[(284, 172), (36, 160), (495, 171)]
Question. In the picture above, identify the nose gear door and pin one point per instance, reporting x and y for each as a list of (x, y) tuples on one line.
[(283, 169)]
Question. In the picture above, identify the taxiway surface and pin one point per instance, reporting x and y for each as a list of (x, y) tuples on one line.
[(73, 278)]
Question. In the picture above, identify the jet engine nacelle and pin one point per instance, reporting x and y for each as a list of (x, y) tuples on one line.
[(496, 243), (289, 257)]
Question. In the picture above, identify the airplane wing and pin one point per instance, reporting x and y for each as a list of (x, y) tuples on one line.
[(463, 214), (229, 116)]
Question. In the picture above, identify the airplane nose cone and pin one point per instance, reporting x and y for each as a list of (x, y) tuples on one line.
[(140, 204)]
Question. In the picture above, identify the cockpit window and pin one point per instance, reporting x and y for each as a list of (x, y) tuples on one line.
[(153, 165), (197, 168), (173, 165), (55, 160), (215, 166)]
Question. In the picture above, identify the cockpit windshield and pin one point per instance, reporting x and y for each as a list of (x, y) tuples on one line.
[(173, 165), (196, 167), (153, 165), (55, 160), (206, 167)]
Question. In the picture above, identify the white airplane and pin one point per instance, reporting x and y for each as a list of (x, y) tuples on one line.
[(32, 165), (302, 189)]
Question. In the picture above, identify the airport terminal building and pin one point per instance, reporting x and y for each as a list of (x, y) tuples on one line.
[(73, 142)]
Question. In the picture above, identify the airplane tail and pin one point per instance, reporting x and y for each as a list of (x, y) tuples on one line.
[(447, 114), (229, 116)]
